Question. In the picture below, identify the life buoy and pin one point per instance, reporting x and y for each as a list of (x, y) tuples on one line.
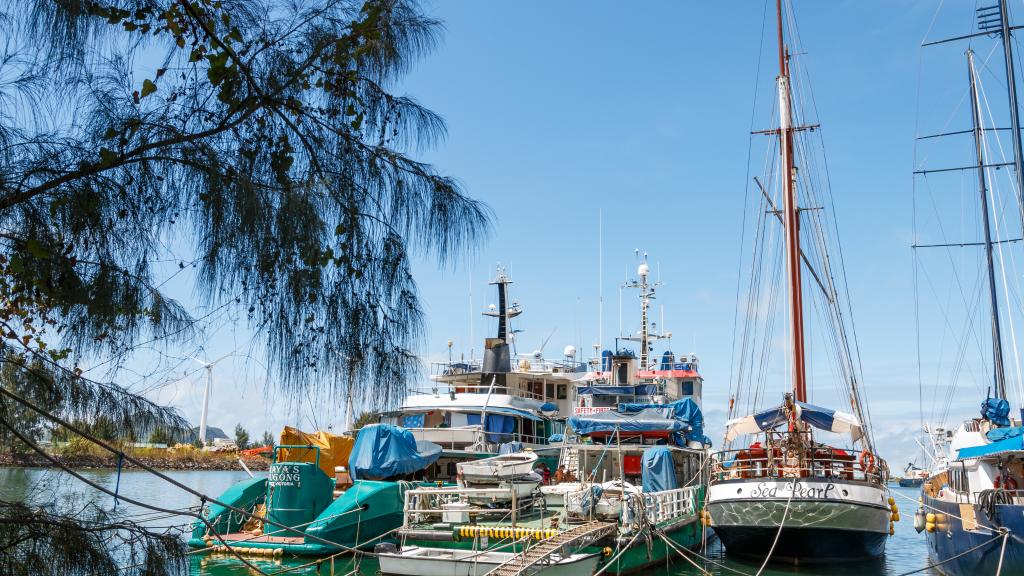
[(1008, 482), (867, 462)]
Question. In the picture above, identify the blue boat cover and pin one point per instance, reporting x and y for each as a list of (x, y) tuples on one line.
[(510, 448), (548, 407), (556, 438), (997, 434), (658, 472), (606, 361), (682, 418), (385, 451), (1011, 444), (685, 410), (667, 360), (996, 410)]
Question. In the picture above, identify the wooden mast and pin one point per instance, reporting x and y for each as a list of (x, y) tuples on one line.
[(998, 372), (791, 218)]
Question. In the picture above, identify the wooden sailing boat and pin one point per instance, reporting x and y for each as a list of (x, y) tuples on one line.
[(787, 496)]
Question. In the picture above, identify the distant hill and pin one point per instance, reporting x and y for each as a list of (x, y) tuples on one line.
[(212, 433)]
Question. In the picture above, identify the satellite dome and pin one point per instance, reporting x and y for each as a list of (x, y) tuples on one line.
[(570, 350), (643, 270), (491, 307)]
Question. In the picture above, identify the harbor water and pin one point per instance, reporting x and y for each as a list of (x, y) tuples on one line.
[(905, 550)]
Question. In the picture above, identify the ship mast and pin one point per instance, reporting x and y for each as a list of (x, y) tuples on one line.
[(999, 375), (791, 217), (1011, 92)]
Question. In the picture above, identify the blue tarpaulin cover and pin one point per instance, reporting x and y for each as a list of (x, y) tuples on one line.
[(556, 438), (658, 472), (500, 427), (1011, 444), (997, 434), (996, 411), (681, 418), (385, 451), (685, 410)]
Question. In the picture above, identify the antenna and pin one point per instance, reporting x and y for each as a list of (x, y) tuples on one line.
[(600, 276)]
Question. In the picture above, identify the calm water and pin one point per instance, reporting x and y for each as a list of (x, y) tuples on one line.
[(905, 551)]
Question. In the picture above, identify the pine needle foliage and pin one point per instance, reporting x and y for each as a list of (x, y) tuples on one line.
[(38, 540), (263, 139), (266, 140)]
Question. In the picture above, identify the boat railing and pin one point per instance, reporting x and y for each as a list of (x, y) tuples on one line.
[(520, 364), (459, 437), (1000, 496), (819, 463), (449, 389), (429, 504), (671, 504)]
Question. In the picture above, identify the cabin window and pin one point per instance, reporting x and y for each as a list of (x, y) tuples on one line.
[(687, 387), (550, 391), (452, 470), (622, 376), (562, 393)]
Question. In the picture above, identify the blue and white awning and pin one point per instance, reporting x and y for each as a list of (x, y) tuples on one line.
[(821, 418)]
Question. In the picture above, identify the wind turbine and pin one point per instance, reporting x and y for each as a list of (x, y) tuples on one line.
[(206, 396)]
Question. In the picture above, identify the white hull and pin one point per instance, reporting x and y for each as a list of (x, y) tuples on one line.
[(418, 561), (523, 489), (492, 470), (554, 494), (806, 504)]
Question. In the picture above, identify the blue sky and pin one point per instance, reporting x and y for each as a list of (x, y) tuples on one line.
[(559, 110)]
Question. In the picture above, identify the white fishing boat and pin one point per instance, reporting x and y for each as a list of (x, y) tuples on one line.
[(498, 468), (420, 561)]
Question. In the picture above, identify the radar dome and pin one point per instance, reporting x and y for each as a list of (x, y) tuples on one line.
[(570, 350), (643, 270)]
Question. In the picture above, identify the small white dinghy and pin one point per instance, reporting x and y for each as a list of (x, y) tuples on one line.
[(419, 561), (613, 495), (523, 487), (498, 468)]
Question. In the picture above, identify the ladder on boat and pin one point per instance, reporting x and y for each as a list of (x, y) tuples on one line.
[(521, 563), (570, 458)]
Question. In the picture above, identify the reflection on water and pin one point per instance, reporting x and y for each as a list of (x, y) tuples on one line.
[(904, 552)]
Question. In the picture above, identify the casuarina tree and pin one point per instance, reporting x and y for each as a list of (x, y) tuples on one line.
[(265, 141)]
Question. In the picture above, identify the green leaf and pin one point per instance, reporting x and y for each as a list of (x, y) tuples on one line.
[(36, 249), (148, 87)]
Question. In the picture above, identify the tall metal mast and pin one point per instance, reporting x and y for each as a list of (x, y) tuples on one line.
[(791, 217), (1011, 91), (997, 340)]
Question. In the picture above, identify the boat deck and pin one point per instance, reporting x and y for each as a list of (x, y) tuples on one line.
[(249, 538)]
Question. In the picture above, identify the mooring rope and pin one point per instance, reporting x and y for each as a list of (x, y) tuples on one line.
[(785, 512)]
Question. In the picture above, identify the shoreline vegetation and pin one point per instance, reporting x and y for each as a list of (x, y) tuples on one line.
[(159, 458)]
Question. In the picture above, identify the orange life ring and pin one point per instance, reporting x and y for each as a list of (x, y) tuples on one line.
[(867, 462), (1009, 483)]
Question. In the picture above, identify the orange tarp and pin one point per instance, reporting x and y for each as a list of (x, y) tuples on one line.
[(334, 450)]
